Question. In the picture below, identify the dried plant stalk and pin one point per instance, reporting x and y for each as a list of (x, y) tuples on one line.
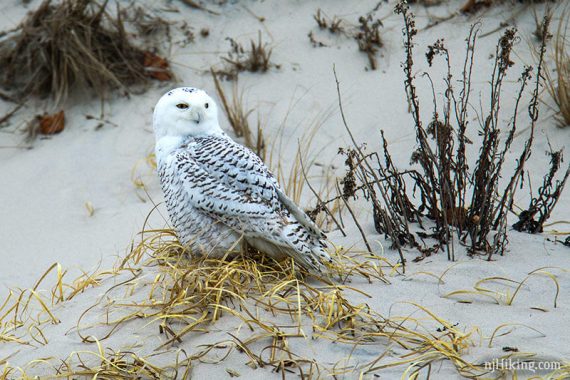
[(459, 200), (239, 59), (238, 118), (558, 82)]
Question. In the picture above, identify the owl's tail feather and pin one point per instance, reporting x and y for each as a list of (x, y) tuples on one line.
[(311, 260)]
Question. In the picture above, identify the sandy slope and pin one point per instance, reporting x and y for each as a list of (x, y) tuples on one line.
[(44, 189)]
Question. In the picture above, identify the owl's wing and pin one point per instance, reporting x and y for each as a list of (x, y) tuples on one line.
[(242, 169), (212, 196), (235, 188)]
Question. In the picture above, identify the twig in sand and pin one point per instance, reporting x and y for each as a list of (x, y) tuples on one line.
[(320, 204), (355, 219), (366, 169), (9, 114), (195, 5)]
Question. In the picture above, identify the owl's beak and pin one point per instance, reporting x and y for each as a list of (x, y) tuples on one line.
[(197, 115)]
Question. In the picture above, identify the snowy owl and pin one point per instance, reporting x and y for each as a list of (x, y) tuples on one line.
[(218, 191)]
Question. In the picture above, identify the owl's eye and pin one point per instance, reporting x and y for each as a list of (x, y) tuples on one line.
[(206, 105), (182, 106)]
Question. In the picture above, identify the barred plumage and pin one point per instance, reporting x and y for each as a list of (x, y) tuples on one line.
[(217, 191)]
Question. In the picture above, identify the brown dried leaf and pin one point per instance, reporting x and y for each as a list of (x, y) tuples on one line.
[(156, 67), (52, 124)]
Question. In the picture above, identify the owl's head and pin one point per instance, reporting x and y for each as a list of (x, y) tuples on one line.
[(186, 111)]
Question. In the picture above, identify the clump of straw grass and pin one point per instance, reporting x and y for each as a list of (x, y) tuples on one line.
[(72, 44), (189, 294)]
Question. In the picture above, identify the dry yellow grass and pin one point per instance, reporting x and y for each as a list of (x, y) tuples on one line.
[(238, 118), (273, 304)]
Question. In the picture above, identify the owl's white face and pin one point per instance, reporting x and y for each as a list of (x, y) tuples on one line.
[(184, 112)]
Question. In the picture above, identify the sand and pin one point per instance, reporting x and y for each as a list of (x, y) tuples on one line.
[(45, 189)]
